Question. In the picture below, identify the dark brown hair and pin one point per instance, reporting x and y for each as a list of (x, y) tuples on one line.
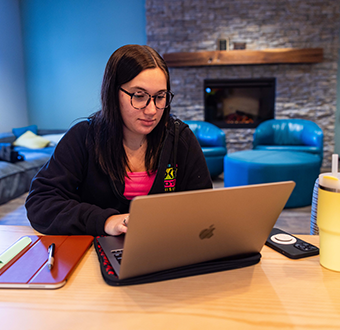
[(107, 124)]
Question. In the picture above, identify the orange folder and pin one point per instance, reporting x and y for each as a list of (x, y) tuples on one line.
[(29, 268)]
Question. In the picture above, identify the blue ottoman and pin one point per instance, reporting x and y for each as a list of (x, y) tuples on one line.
[(263, 166)]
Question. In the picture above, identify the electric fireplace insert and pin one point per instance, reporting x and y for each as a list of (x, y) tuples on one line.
[(239, 103)]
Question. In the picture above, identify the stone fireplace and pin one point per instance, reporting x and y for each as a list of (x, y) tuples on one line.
[(305, 90)]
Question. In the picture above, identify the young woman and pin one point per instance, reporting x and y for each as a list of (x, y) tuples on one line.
[(131, 147)]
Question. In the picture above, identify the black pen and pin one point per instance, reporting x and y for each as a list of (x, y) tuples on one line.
[(50, 251)]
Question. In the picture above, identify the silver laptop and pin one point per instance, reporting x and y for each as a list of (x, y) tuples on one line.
[(177, 229)]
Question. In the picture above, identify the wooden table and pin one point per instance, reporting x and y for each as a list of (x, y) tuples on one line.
[(277, 293)]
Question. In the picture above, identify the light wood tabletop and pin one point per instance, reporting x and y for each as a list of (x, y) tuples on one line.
[(277, 293)]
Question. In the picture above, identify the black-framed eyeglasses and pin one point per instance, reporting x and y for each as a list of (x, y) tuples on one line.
[(141, 99)]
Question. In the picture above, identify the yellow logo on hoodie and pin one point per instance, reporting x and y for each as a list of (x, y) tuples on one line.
[(170, 179)]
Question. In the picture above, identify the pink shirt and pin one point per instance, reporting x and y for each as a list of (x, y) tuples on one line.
[(138, 184)]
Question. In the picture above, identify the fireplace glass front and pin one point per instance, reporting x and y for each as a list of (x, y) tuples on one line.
[(239, 103)]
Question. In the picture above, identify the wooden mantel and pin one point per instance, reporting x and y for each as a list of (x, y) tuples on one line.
[(244, 57)]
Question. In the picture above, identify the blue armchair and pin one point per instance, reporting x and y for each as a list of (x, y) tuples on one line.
[(289, 135), (213, 143), (283, 149)]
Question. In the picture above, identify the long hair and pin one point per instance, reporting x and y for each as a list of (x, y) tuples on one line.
[(107, 124)]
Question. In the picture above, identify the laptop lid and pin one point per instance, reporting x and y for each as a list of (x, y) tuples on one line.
[(172, 230)]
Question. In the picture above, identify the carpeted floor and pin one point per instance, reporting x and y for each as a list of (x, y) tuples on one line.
[(295, 221)]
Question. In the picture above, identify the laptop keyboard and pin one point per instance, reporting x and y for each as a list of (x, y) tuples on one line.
[(118, 254)]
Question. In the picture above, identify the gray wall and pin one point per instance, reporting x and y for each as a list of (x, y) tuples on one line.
[(307, 91), (337, 119)]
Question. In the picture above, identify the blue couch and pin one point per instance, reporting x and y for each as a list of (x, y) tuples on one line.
[(213, 143), (15, 178)]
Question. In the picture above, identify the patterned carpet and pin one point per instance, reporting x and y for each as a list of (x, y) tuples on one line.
[(295, 221)]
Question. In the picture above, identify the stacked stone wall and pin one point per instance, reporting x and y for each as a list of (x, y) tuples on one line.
[(305, 91)]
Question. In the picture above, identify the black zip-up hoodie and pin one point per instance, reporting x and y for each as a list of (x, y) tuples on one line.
[(71, 195)]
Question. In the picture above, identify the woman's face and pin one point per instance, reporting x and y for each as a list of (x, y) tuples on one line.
[(140, 122)]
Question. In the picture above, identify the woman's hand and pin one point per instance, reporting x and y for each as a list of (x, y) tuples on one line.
[(116, 224)]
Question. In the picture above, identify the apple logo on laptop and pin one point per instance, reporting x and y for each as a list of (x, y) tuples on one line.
[(207, 233)]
